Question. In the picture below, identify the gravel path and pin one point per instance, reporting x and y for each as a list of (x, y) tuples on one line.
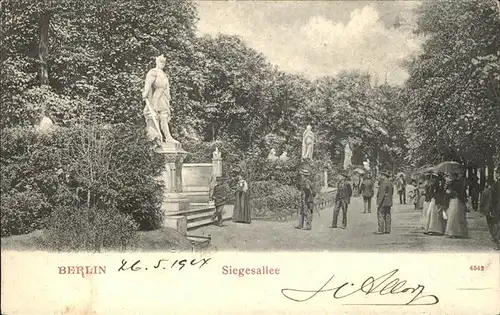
[(358, 236)]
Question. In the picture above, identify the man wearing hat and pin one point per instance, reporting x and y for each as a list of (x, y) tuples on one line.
[(490, 206), (342, 200), (219, 196), (384, 204), (367, 191), (306, 200)]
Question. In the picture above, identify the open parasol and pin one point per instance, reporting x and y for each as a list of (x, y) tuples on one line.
[(359, 170), (425, 169), (448, 167)]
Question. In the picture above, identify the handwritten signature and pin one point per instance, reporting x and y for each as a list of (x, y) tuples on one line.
[(162, 264), (383, 285)]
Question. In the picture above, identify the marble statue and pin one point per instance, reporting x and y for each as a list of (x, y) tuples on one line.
[(216, 154), (347, 156), (45, 125), (272, 155), (366, 165), (284, 156), (307, 143), (157, 111)]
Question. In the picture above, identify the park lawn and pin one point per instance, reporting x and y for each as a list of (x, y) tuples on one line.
[(164, 239)]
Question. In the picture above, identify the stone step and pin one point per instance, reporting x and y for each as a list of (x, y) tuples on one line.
[(193, 211), (200, 216), (198, 224)]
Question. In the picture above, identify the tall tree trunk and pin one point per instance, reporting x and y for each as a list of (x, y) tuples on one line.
[(43, 47), (491, 169), (43, 53)]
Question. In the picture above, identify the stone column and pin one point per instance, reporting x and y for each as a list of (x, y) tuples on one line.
[(174, 199)]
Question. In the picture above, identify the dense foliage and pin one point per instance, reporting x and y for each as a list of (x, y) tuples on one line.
[(453, 92), (83, 167), (221, 89)]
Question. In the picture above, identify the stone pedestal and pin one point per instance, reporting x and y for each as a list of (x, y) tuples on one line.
[(177, 222), (174, 200)]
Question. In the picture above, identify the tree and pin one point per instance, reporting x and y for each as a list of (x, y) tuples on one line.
[(454, 86)]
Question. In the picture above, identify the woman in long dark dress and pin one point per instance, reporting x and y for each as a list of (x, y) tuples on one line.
[(241, 212), (456, 226), (436, 223)]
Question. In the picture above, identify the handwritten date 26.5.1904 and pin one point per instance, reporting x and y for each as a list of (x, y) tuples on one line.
[(162, 264)]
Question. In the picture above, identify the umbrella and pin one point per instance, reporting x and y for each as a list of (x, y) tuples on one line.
[(425, 169), (428, 170), (359, 170), (448, 167)]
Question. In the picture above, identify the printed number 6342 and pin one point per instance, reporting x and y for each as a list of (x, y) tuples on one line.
[(476, 268)]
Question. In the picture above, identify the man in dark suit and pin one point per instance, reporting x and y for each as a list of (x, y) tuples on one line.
[(490, 206), (306, 200), (219, 195), (342, 200), (367, 191), (384, 204)]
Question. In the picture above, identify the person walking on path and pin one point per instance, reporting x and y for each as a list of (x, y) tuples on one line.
[(490, 206), (411, 190), (474, 191), (384, 203), (456, 226), (342, 200), (241, 212), (435, 222), (220, 193), (307, 195), (367, 191), (401, 185), (420, 194)]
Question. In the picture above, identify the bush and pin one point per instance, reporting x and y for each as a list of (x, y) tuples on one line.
[(22, 212), (283, 202), (84, 229), (139, 193), (106, 167)]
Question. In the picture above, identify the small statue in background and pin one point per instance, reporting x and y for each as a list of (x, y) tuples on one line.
[(284, 157), (347, 156), (308, 144), (272, 155)]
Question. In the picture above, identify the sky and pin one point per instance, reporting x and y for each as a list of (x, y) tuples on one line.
[(319, 38)]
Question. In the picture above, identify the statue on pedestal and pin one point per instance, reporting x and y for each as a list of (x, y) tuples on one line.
[(366, 165), (347, 156), (272, 155), (307, 144), (284, 157), (216, 154), (157, 111)]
